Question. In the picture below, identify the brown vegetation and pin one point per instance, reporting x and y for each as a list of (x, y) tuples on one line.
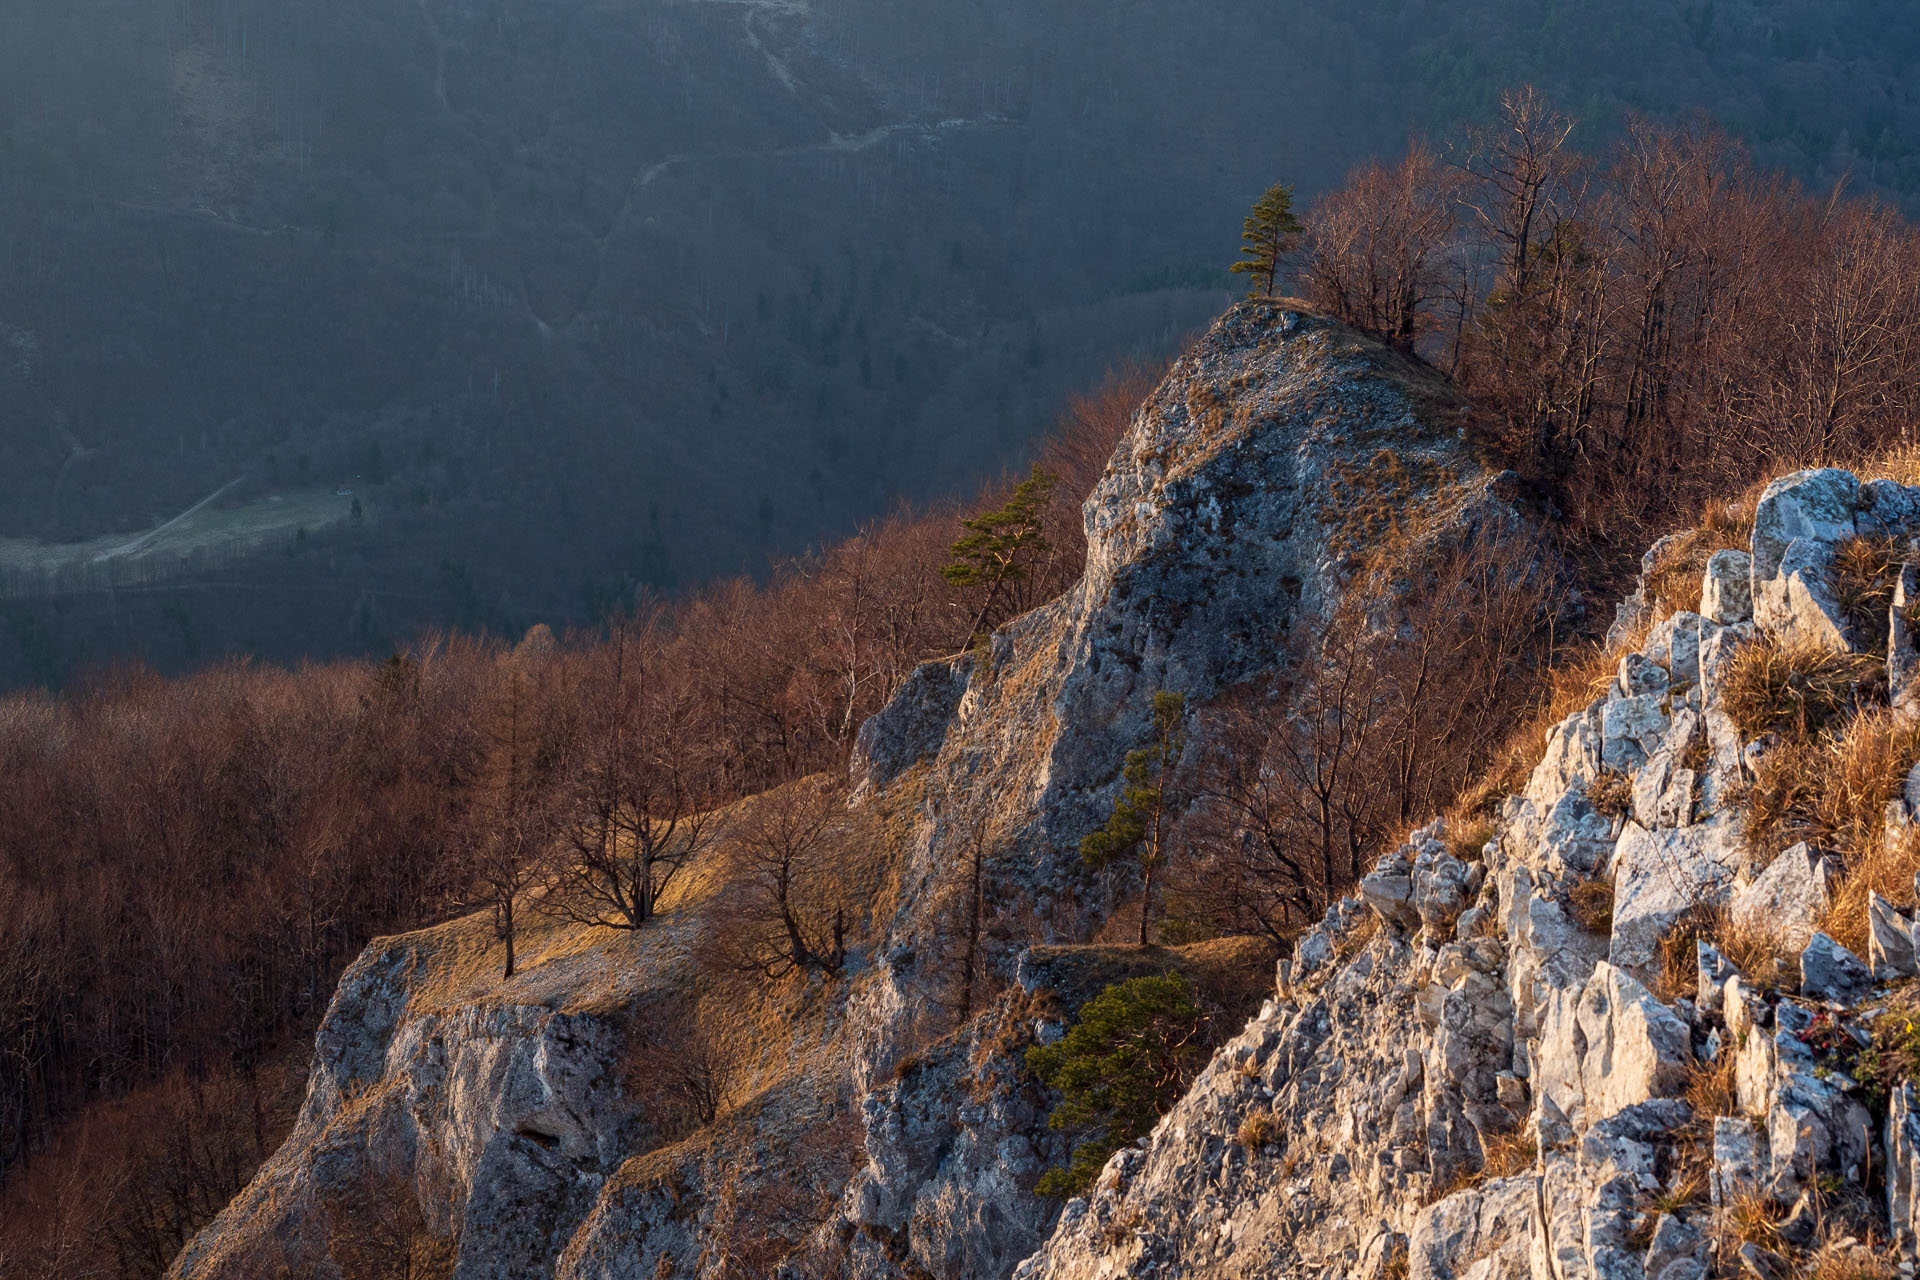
[(1647, 330), (189, 864)]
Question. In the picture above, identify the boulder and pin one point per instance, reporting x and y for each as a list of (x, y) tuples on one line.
[(1799, 521), (1830, 972), (1817, 506), (1678, 1250), (1636, 1048), (1787, 898), (1726, 594), (1717, 650), (1640, 674), (1631, 729), (1388, 889), (1889, 941), (1658, 877)]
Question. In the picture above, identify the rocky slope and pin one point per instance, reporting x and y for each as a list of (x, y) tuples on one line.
[(857, 1114), (1468, 1070)]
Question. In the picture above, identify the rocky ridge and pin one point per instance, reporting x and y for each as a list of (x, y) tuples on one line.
[(1244, 489), (1485, 1065)]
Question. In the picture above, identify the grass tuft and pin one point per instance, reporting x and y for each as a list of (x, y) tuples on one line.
[(1590, 903), (1796, 690)]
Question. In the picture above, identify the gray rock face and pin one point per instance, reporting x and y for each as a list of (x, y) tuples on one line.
[(1788, 897), (912, 726), (1800, 519), (1726, 596), (1828, 971)]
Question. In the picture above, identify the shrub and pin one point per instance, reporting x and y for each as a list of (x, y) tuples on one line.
[(1795, 690), (1123, 1065)]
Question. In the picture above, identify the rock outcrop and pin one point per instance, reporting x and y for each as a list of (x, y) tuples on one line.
[(1506, 1093), (1272, 456)]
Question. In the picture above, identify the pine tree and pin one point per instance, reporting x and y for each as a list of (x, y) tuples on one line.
[(1270, 234), (999, 545), (1124, 1064), (1137, 827)]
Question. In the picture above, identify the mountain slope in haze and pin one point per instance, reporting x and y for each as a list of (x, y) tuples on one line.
[(583, 297)]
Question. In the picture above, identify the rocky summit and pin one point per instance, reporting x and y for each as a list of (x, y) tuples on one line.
[(1591, 1036), (1532, 1057)]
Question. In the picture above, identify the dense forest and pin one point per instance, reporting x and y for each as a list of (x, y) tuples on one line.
[(190, 862), (581, 299)]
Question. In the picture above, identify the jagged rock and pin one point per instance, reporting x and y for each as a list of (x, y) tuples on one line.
[(1716, 655), (1736, 1159), (1631, 729), (1678, 1250), (1442, 886), (1675, 641), (1490, 1224), (1763, 1264), (1388, 889), (1726, 596), (1640, 674), (1800, 519), (911, 727), (1787, 898), (1903, 660), (1636, 1048), (1889, 941), (1661, 876), (1828, 971), (1712, 970), (1903, 1167)]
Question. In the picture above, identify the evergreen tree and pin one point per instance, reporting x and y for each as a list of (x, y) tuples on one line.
[(1122, 1066), (1270, 234), (1000, 545), (1137, 826)]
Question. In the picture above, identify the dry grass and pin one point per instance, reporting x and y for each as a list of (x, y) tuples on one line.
[(1510, 1154), (1864, 573), (1796, 690), (1590, 903), (1258, 1130), (1467, 833), (1845, 1258), (1710, 1088), (1900, 464), (1611, 793), (1681, 569), (1678, 954), (1687, 1183), (1753, 948), (1833, 790), (1750, 1216), (1883, 867), (1579, 675)]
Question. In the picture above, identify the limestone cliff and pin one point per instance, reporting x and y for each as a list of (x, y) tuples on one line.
[(1529, 1058), (895, 1143)]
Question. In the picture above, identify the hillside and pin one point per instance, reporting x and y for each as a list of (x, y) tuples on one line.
[(585, 297), (1658, 1022), (867, 1113)]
